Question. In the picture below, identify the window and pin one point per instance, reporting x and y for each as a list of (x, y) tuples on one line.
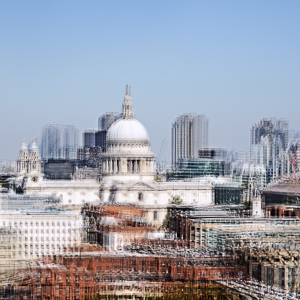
[(155, 215), (141, 197)]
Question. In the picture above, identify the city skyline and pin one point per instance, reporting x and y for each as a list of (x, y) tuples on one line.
[(236, 63)]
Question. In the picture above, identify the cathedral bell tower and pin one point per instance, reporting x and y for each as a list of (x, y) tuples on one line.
[(22, 161), (34, 160)]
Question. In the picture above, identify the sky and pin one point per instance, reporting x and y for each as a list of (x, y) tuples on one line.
[(69, 61)]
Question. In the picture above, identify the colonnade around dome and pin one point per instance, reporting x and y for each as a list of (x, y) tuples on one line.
[(128, 165)]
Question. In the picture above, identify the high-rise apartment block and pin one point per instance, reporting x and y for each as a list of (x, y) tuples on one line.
[(59, 141), (269, 142), (106, 120), (189, 134)]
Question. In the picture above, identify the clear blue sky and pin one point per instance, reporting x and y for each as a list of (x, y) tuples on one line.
[(69, 61)]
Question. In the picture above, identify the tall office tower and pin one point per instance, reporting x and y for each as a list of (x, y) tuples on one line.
[(106, 120), (59, 141), (89, 138), (189, 134), (100, 139), (269, 141)]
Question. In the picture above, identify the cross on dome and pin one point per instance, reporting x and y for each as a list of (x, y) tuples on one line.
[(127, 105)]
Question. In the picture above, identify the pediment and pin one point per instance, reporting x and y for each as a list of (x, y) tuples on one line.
[(141, 186)]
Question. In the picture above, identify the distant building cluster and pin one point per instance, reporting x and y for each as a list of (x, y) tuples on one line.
[(101, 221)]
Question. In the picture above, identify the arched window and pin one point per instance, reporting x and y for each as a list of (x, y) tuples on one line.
[(141, 197), (155, 215)]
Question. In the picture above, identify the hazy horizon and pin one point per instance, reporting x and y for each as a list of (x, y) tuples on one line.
[(68, 62)]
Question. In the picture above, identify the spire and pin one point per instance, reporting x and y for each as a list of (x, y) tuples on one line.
[(24, 146), (127, 104)]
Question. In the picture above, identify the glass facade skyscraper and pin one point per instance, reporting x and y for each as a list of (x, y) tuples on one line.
[(59, 141)]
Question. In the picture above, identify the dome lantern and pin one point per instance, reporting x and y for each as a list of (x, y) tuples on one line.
[(127, 105)]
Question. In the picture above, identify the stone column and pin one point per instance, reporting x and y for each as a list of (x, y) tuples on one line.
[(286, 278), (151, 165), (104, 166), (296, 278), (143, 164), (147, 165), (123, 166), (110, 166)]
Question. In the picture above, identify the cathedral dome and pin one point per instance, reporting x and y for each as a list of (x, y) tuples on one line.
[(127, 129)]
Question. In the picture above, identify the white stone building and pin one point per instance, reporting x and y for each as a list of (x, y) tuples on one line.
[(129, 169), (30, 179), (41, 233)]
